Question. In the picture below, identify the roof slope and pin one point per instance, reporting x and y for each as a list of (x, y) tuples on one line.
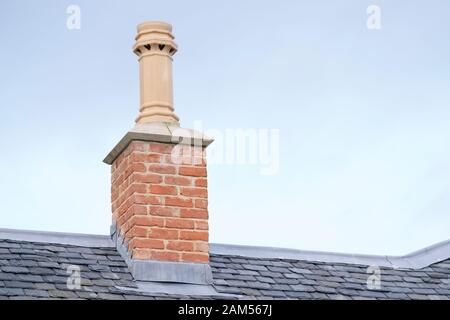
[(39, 270)]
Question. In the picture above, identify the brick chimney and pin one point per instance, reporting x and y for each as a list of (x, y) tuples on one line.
[(159, 187)]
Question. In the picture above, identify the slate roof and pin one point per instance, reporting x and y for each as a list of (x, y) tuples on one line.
[(33, 270)]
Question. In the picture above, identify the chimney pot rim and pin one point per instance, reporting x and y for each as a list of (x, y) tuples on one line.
[(154, 26)]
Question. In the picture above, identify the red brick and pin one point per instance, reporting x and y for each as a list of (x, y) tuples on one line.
[(164, 211), (136, 231), (141, 199), (194, 213), (145, 158), (165, 256), (164, 169), (194, 192), (147, 178), (162, 233), (194, 235), (178, 181), (142, 254), (138, 209), (201, 204), (195, 257), (146, 243), (161, 148), (135, 167), (192, 171), (179, 223), (201, 182), (137, 146), (135, 188), (178, 202), (186, 160), (148, 221), (201, 247), (180, 246), (201, 224), (167, 190)]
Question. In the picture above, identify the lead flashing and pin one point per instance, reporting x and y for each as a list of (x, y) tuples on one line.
[(162, 271), (158, 132), (415, 260), (74, 239)]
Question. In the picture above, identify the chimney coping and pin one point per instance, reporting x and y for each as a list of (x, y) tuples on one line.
[(158, 132)]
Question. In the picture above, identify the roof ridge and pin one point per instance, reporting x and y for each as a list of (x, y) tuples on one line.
[(414, 260)]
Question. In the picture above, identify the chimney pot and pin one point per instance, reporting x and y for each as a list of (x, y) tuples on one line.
[(155, 47)]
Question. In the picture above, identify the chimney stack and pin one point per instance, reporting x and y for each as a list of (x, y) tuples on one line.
[(159, 185)]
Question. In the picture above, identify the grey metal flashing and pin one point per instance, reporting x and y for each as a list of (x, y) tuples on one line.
[(75, 239), (158, 132), (179, 272), (162, 271), (415, 260)]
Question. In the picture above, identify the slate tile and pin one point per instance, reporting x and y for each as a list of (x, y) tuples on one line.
[(18, 284), (301, 270), (226, 289), (258, 285), (243, 277), (273, 293), (325, 289), (265, 279), (7, 276), (48, 264), (281, 287), (86, 295), (287, 281), (395, 295), (103, 282), (11, 291), (415, 296), (271, 274), (251, 292), (298, 294), (5, 244), (30, 278), (412, 279), (255, 267), (113, 263), (281, 264), (303, 288), (55, 248), (62, 294), (37, 293), (23, 263), (44, 286), (248, 272), (41, 271), (115, 258), (372, 294), (14, 269), (424, 291), (109, 296)]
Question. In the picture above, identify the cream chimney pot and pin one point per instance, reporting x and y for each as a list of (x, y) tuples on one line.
[(155, 47)]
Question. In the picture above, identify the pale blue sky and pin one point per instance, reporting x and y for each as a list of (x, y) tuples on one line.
[(364, 116)]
